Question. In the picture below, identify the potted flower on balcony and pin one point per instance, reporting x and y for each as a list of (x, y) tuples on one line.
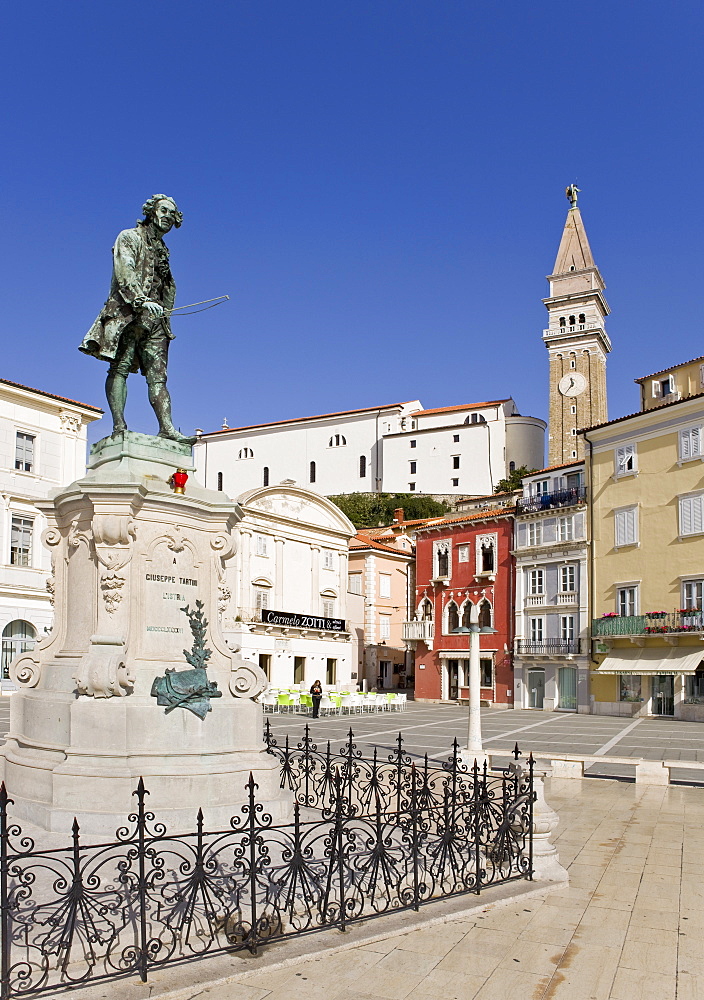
[(611, 614), (656, 614)]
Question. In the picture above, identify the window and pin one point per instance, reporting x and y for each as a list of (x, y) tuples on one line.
[(311, 474), (384, 626), (486, 670), (625, 460), (24, 452), (412, 444), (442, 559), (573, 363), (337, 441), (411, 487), (455, 482), (573, 409), (426, 611), (535, 533), (265, 476), (21, 541), (536, 629), (261, 599), (563, 321), (362, 466), (511, 466), (463, 553), (453, 617), (694, 688), (627, 600), (261, 545), (568, 577), (626, 526), (663, 386), (692, 594), (455, 461), (487, 556), (567, 627), (701, 376), (565, 529), (690, 444), (582, 318), (384, 585), (629, 688), (355, 583), (245, 453), (299, 669), (691, 515), (331, 671), (17, 637), (455, 438), (265, 664), (328, 607), (220, 482), (541, 487), (484, 614), (328, 559), (572, 320), (536, 581), (413, 465)]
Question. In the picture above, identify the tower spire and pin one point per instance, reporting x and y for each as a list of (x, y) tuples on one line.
[(576, 340)]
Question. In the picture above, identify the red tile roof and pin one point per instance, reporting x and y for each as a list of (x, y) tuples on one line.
[(51, 395), (549, 468), (361, 541), (680, 364), (317, 416), (465, 406), (479, 516)]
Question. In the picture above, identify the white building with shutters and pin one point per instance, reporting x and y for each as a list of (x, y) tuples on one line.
[(284, 600), (42, 446)]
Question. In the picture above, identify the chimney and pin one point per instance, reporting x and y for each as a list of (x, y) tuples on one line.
[(398, 515)]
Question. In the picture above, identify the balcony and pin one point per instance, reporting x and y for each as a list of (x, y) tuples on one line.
[(535, 600), (548, 647), (418, 631), (547, 501), (658, 623)]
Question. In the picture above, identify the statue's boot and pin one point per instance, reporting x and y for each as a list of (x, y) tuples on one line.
[(161, 402), (116, 392)]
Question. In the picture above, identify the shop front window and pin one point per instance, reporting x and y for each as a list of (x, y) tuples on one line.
[(694, 689), (629, 687)]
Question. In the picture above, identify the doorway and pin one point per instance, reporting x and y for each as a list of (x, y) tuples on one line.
[(536, 688), (567, 689), (299, 669), (663, 702), (453, 679)]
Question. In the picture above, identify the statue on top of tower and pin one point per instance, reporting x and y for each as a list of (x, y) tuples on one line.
[(571, 192)]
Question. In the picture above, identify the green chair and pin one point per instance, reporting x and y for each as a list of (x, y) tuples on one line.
[(285, 702)]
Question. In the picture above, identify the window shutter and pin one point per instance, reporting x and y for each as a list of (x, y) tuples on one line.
[(657, 388), (695, 441), (692, 515), (697, 514), (685, 445)]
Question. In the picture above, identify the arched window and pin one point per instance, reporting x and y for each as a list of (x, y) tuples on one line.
[(246, 453), (487, 557), (511, 466), (485, 614), (17, 637), (572, 320), (220, 481), (265, 476), (582, 318), (311, 477), (426, 611), (362, 466), (563, 321), (337, 441), (466, 612), (453, 617)]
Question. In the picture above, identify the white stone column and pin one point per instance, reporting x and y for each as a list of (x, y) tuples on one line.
[(279, 542), (245, 589), (314, 605)]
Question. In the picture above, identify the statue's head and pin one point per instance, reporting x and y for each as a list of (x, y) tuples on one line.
[(162, 211)]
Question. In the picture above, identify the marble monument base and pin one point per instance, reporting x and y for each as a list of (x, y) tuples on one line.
[(128, 555)]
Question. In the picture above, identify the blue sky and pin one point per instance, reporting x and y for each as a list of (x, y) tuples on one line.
[(379, 187)]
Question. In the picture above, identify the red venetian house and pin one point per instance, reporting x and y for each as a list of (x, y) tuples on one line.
[(463, 561)]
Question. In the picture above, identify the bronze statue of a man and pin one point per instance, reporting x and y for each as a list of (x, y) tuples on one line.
[(133, 330)]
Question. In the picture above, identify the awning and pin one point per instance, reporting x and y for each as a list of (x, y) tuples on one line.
[(649, 660)]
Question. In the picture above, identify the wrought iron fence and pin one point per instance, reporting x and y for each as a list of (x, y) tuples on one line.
[(89, 912)]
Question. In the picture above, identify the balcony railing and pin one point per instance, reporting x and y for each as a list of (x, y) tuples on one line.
[(546, 501), (419, 631), (548, 647), (657, 623), (535, 600)]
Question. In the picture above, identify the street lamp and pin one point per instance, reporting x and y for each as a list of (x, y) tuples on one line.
[(474, 750)]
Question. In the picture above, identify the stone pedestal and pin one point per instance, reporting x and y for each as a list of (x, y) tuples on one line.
[(128, 553)]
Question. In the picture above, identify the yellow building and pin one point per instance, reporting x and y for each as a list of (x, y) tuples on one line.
[(646, 484)]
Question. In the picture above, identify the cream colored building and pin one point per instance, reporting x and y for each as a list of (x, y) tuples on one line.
[(645, 480), (381, 574)]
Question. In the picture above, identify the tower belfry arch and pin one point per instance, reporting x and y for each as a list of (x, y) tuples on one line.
[(576, 340)]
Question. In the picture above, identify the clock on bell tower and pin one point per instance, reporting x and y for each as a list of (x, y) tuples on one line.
[(576, 340)]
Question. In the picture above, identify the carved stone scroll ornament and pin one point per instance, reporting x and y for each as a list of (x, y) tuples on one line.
[(224, 596), (25, 670), (247, 680), (102, 672), (113, 535)]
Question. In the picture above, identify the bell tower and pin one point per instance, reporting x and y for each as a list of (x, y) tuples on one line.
[(576, 340)]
